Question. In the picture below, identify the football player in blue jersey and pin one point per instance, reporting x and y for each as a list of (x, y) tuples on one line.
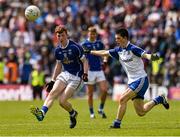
[(95, 72), (71, 66), (129, 55)]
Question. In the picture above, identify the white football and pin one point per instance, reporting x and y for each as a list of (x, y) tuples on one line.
[(32, 12)]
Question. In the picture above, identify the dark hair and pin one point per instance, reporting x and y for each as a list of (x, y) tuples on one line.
[(60, 29), (123, 33)]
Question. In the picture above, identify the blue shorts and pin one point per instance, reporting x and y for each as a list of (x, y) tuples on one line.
[(139, 86)]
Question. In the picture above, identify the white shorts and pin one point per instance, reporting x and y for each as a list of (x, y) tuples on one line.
[(95, 76), (69, 79)]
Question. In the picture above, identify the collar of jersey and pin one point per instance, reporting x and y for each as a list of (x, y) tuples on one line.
[(127, 45), (66, 45), (91, 41)]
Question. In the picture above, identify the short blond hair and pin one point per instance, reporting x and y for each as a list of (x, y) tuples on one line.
[(92, 29)]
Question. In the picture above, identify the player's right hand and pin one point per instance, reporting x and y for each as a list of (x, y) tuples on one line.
[(49, 86), (86, 50), (155, 57), (85, 77)]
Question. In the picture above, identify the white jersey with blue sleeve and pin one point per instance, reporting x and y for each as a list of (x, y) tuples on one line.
[(130, 59)]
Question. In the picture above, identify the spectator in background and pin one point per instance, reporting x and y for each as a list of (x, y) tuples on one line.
[(25, 69), (37, 80), (142, 18), (5, 35), (2, 68), (12, 67)]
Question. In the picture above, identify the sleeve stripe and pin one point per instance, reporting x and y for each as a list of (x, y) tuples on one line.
[(79, 51)]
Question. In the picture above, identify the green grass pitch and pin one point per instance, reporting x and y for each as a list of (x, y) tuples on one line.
[(16, 120)]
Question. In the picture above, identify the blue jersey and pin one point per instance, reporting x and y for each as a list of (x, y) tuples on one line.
[(130, 59), (94, 62), (70, 57)]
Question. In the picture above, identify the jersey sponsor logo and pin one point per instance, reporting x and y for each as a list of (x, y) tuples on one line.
[(126, 56), (127, 60), (66, 59)]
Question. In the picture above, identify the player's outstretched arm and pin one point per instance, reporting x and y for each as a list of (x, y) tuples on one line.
[(152, 57), (100, 52)]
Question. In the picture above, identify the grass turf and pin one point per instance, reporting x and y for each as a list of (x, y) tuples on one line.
[(16, 120)]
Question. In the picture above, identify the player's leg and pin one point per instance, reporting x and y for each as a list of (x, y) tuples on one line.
[(140, 107), (90, 90), (56, 90), (135, 89), (68, 92), (125, 97), (103, 93), (101, 80), (63, 98)]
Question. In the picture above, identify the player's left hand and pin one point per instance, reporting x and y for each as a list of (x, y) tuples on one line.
[(49, 86), (155, 57), (86, 50), (85, 77)]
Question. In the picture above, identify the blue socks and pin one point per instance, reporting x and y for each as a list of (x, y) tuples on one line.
[(117, 123), (158, 100), (91, 110), (101, 106), (44, 109), (72, 113)]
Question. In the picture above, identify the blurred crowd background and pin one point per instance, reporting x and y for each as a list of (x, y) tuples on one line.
[(154, 25)]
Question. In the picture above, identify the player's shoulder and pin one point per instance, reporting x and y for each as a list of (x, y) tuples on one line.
[(132, 46), (99, 41), (75, 46), (117, 49), (57, 51), (85, 42), (73, 43), (57, 48)]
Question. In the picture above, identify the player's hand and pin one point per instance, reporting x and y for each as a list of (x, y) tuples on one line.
[(86, 50), (49, 86), (155, 57), (85, 77)]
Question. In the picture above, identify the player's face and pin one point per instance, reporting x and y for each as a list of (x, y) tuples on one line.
[(62, 38), (120, 40), (92, 35)]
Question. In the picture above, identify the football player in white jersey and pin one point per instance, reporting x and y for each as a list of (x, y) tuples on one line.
[(130, 56), (71, 67)]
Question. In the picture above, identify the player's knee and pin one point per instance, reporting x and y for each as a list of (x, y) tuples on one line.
[(141, 113), (104, 91), (62, 101), (90, 95), (122, 100)]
